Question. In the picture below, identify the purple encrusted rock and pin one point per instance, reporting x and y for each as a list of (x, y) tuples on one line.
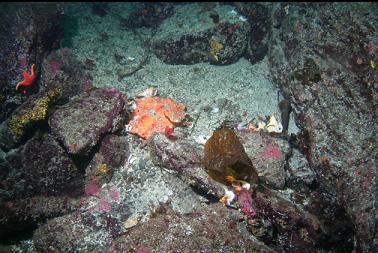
[(80, 124), (28, 30), (61, 69), (46, 168), (113, 152)]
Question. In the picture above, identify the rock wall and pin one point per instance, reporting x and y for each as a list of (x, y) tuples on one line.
[(323, 58)]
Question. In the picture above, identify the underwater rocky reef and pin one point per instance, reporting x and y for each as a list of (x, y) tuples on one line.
[(188, 127)]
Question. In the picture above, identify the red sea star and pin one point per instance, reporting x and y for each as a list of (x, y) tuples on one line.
[(28, 78)]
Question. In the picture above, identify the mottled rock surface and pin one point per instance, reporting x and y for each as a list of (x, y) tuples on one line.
[(61, 69), (185, 158), (323, 58), (268, 155), (40, 168), (258, 18), (148, 15), (284, 226), (112, 154), (46, 167), (19, 216), (299, 172), (213, 228), (202, 33), (80, 124)]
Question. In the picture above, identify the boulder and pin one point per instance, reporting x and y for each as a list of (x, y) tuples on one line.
[(210, 229), (81, 123), (268, 155), (216, 34), (61, 69), (112, 154)]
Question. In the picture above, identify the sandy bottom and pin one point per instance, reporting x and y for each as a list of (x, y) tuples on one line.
[(243, 90)]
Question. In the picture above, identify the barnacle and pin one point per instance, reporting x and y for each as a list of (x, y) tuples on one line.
[(19, 121), (225, 156)]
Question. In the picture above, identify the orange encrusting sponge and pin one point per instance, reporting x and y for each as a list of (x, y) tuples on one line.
[(154, 115)]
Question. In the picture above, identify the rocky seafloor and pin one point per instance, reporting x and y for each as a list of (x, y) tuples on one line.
[(74, 179)]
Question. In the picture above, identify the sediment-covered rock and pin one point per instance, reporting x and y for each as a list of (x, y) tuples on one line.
[(46, 168), (21, 215), (185, 158), (216, 34), (148, 15), (213, 228)]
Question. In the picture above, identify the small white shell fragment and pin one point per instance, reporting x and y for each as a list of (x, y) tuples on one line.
[(130, 222), (246, 186), (261, 125), (200, 139), (149, 92), (242, 18), (273, 125), (228, 197), (215, 110), (233, 12)]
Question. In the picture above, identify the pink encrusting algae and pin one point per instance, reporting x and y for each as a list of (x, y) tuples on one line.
[(272, 150)]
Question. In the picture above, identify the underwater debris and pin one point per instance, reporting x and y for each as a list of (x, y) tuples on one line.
[(154, 114), (149, 92), (272, 126), (225, 156)]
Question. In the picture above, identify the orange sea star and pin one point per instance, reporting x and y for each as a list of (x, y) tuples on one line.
[(28, 78)]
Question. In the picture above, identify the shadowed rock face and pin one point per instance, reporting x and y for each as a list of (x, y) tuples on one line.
[(320, 57), (26, 31), (41, 166)]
